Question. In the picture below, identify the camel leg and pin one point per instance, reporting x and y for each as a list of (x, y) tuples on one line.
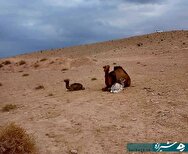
[(106, 89)]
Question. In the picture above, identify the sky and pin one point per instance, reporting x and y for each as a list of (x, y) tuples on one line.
[(27, 26)]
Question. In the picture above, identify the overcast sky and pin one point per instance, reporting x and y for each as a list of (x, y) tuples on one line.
[(27, 26)]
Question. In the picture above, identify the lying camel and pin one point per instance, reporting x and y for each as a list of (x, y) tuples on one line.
[(119, 75), (74, 86)]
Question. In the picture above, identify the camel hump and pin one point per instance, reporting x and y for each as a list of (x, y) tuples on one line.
[(122, 74)]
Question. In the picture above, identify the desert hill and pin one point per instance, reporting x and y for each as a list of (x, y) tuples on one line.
[(153, 109)]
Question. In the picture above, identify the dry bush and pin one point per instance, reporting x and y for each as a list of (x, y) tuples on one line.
[(9, 107), (64, 69), (15, 140), (25, 74), (51, 62), (39, 87), (139, 44), (36, 65), (21, 62), (6, 62), (93, 79), (50, 94), (1, 65), (43, 59)]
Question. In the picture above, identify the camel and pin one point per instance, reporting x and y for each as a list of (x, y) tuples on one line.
[(119, 75), (122, 76), (110, 78), (74, 86)]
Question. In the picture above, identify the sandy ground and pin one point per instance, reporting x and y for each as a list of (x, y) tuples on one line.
[(153, 109)]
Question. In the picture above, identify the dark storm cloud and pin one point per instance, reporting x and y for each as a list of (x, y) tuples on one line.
[(45, 24)]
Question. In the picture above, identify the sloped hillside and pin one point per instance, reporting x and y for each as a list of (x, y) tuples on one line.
[(153, 109)]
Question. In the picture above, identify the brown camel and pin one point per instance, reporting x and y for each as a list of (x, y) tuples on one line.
[(74, 86), (121, 74), (110, 78), (118, 75)]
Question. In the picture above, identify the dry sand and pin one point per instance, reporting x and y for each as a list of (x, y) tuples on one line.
[(153, 109)]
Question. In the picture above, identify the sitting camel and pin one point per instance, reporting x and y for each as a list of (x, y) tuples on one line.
[(110, 78), (119, 75), (74, 86)]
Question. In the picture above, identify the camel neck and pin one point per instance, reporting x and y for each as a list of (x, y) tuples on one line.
[(106, 73), (67, 85)]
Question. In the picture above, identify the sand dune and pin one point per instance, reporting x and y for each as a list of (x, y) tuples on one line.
[(153, 109)]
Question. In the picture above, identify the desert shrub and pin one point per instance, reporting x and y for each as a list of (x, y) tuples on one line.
[(6, 62), (21, 62), (25, 74), (1, 65), (93, 79), (139, 44), (64, 69), (9, 107), (114, 63), (36, 65), (15, 140), (51, 62), (43, 59), (50, 94), (39, 87)]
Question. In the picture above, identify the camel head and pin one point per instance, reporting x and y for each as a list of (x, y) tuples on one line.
[(66, 80), (106, 68)]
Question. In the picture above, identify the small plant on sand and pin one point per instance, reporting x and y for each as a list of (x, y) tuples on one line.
[(114, 63), (25, 74), (43, 59), (15, 140), (39, 87), (50, 94), (51, 62), (93, 79), (36, 65), (9, 107), (21, 62), (64, 69), (139, 44), (6, 62)]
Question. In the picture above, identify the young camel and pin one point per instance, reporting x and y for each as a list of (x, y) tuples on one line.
[(74, 86)]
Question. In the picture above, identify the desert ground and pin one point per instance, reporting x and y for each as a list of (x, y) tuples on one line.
[(153, 109)]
